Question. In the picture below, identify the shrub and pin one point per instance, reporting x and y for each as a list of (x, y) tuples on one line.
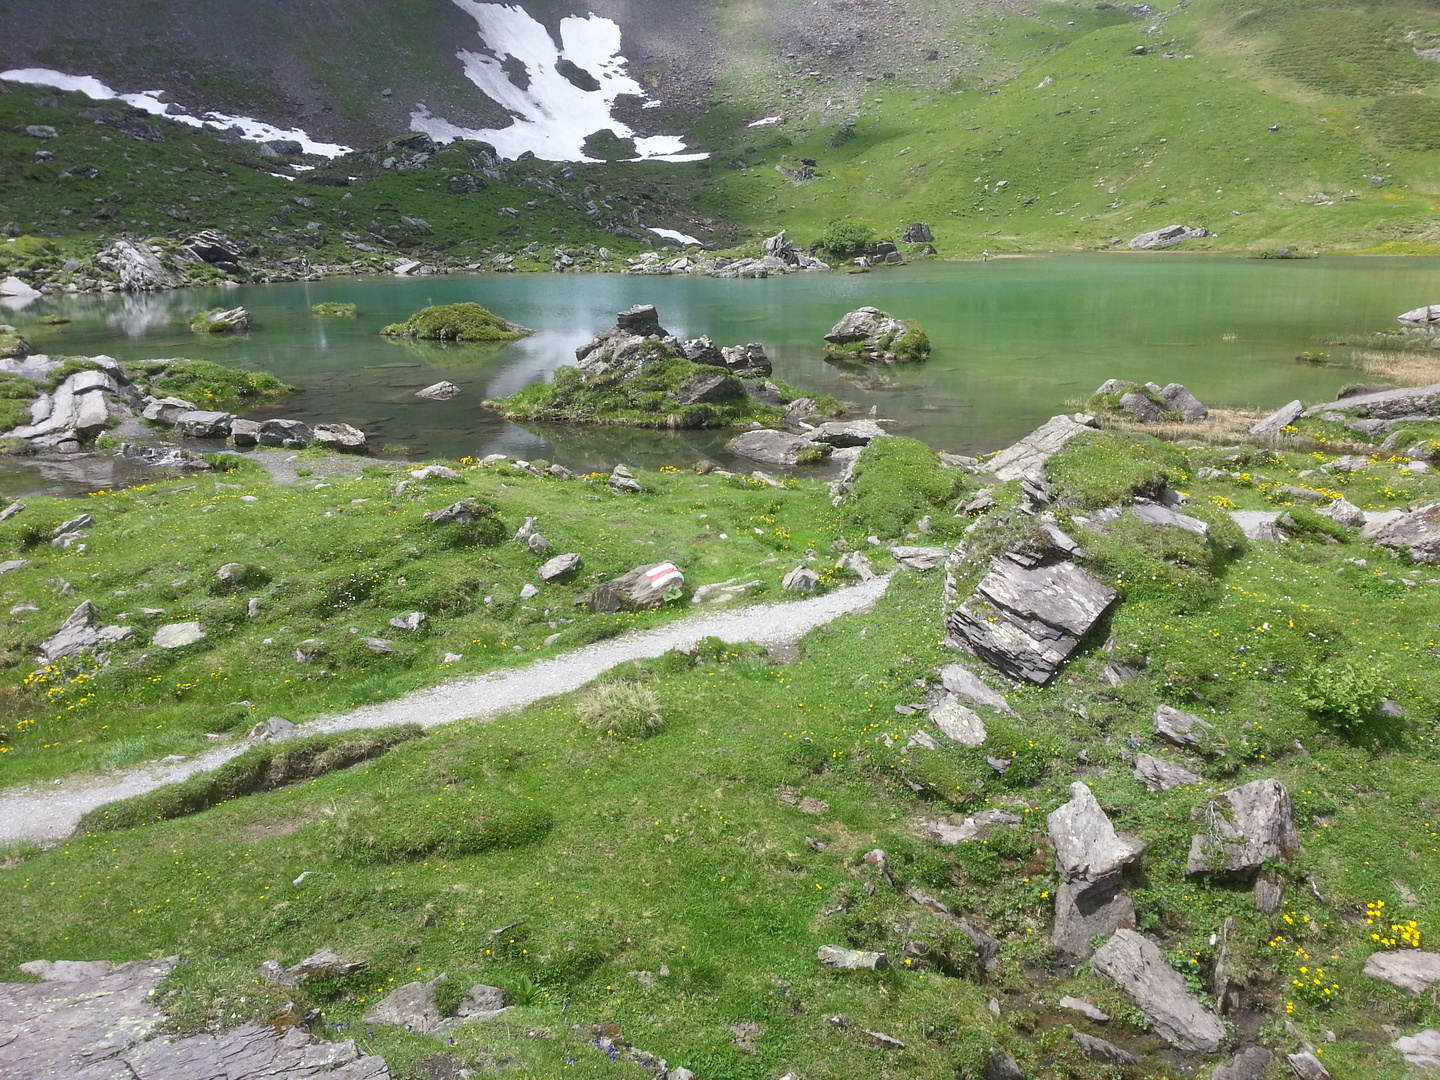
[(1343, 695), (622, 710), (846, 238), (455, 322)]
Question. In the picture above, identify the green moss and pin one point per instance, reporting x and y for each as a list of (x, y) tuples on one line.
[(1107, 468), (205, 383), (456, 322), (644, 399), (13, 345), (341, 310), (897, 481), (16, 395)]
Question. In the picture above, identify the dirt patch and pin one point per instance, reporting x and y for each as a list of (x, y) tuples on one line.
[(272, 829)]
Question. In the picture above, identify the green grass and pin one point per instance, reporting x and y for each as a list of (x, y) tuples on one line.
[(206, 383), (670, 885), (324, 563), (898, 481), (332, 310)]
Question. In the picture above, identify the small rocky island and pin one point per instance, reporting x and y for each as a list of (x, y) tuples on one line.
[(873, 336), (637, 374), (467, 322)]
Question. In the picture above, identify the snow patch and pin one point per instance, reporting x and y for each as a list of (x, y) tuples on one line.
[(766, 122), (552, 116), (676, 235), (149, 100)]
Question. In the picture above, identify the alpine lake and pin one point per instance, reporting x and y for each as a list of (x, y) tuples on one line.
[(1015, 340)]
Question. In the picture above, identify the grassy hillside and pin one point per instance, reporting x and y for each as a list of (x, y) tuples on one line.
[(669, 892), (1303, 124)]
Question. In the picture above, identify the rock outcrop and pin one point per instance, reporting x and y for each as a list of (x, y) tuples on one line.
[(138, 266), (81, 632), (1417, 533), (1089, 854), (1137, 966), (1260, 827), (1026, 620), (1036, 448), (96, 1019), (642, 588), (1418, 402), (874, 336), (1167, 237)]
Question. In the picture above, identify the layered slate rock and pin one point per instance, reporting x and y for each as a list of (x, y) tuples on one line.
[(1137, 966), (1038, 447), (1185, 729), (1407, 401), (100, 1020), (81, 632), (1280, 419), (1262, 828), (1167, 237), (1411, 970), (967, 686), (1090, 858), (1157, 774), (1027, 620), (1417, 533)]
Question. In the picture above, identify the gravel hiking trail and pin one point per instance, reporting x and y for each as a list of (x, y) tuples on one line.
[(47, 814)]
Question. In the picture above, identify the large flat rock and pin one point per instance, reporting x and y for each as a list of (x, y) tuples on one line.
[(1137, 966), (1385, 404), (1036, 448)]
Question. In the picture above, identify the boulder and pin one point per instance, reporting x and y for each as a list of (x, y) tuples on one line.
[(215, 248), (870, 334), (773, 448), (1263, 828), (919, 233), (1259, 525), (1307, 1066), (1186, 729), (838, 958), (1178, 399), (411, 1006), (232, 573), (1161, 516), (801, 579), (1250, 1064), (138, 265), (843, 433), (708, 389), (1089, 854), (1137, 966), (177, 635), (702, 350), (1167, 237), (464, 512), (999, 1065), (1026, 621), (1100, 1050), (1157, 774), (1428, 316), (273, 730), (435, 472), (1416, 533), (558, 567), (1344, 512), (231, 321), (967, 686), (481, 1003), (12, 288), (168, 410), (340, 437), (205, 424), (919, 558), (1081, 917), (1281, 418), (749, 360), (245, 433), (440, 391), (379, 646), (1036, 448), (412, 622), (80, 632), (957, 723), (1140, 407), (1406, 402), (292, 434), (1422, 1050), (643, 587), (1412, 970)]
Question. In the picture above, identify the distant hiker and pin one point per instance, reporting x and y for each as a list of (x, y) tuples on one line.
[(985, 256)]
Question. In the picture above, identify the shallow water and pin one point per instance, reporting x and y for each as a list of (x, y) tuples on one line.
[(1014, 339)]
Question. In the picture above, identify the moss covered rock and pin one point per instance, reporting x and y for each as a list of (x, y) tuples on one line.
[(457, 322), (873, 336)]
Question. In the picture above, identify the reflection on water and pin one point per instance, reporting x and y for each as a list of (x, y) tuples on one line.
[(1014, 340)]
